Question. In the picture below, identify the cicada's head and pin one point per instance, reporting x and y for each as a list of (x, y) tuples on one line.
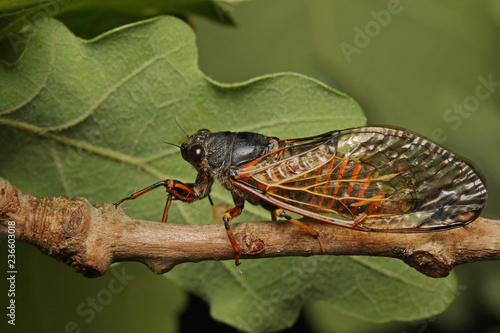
[(194, 149), (206, 150)]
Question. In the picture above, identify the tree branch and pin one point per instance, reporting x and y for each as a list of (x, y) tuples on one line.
[(90, 238)]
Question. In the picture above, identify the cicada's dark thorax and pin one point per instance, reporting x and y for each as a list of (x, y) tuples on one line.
[(231, 149)]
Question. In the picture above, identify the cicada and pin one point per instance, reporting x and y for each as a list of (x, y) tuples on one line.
[(365, 178)]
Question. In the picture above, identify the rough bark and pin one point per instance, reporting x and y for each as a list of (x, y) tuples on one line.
[(91, 237)]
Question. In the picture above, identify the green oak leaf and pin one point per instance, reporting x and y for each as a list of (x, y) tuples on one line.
[(89, 118), (266, 295)]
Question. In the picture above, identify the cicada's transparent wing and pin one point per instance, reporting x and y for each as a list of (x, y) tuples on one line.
[(370, 178)]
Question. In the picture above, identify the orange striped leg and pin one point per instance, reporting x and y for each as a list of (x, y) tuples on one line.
[(228, 216), (175, 189), (281, 213)]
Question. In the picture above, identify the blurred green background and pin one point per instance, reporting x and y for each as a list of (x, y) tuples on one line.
[(428, 66)]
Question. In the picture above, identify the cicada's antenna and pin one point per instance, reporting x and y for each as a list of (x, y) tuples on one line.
[(175, 118), (172, 144)]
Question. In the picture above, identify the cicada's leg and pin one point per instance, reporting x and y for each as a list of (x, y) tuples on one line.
[(143, 191), (281, 213), (177, 190), (227, 217), (167, 207)]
